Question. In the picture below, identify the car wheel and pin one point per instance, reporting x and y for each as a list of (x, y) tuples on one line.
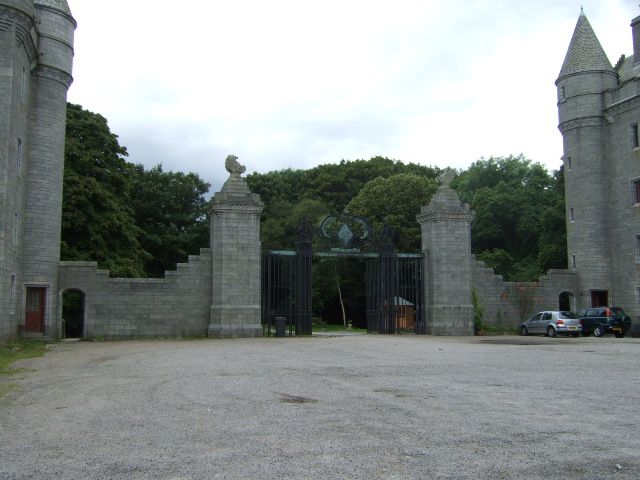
[(619, 335), (551, 332), (523, 331), (598, 331)]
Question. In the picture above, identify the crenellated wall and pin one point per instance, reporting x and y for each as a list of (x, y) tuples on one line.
[(177, 305), (507, 304)]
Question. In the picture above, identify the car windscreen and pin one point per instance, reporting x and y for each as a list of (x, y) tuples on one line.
[(569, 315), (618, 311)]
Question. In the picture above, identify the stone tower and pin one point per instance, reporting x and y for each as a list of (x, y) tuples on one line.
[(585, 75), (36, 57)]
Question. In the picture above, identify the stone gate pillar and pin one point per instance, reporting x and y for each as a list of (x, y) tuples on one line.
[(234, 215), (446, 244)]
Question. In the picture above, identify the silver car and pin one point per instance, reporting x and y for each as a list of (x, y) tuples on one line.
[(552, 323)]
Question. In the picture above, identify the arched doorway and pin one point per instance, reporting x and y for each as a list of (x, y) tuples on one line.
[(73, 313), (565, 301)]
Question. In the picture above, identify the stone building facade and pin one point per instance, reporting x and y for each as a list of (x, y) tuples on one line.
[(36, 56), (599, 115), (217, 292), (599, 112)]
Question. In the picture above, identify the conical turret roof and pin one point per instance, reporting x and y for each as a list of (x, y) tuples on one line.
[(585, 52), (60, 5)]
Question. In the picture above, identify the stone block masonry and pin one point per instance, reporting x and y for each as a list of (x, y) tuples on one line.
[(236, 252), (446, 244), (174, 306), (507, 304)]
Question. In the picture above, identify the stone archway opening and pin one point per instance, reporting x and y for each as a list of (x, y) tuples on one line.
[(565, 301), (73, 313)]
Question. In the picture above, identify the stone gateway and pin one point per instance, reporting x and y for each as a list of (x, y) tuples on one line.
[(218, 292)]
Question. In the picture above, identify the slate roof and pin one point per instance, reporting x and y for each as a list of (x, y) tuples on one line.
[(585, 52), (61, 5), (627, 69)]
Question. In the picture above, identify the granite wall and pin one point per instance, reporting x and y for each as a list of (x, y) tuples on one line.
[(177, 305)]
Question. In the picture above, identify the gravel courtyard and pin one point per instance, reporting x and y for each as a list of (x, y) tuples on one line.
[(327, 407)]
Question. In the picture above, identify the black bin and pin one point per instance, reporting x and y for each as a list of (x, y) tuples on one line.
[(281, 324)]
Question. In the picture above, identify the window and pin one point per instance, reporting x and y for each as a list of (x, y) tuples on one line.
[(635, 136), (635, 192), (638, 249), (12, 306), (19, 156), (573, 261), (15, 230), (568, 163), (23, 87), (562, 94), (571, 215)]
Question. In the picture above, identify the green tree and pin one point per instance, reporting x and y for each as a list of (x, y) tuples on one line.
[(171, 211), (97, 219), (552, 245), (519, 206), (397, 201)]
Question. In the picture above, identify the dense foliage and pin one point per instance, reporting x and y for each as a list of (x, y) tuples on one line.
[(294, 195), (133, 222), (138, 222), (97, 218), (171, 211), (519, 228)]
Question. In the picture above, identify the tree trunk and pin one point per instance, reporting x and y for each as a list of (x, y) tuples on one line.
[(344, 314)]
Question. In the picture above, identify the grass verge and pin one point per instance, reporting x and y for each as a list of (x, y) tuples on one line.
[(13, 352), (327, 327)]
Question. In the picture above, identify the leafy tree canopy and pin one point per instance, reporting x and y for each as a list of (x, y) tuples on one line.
[(133, 222), (519, 225), (396, 201), (313, 193), (171, 211), (97, 220)]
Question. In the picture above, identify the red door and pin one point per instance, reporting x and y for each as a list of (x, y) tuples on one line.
[(599, 298), (35, 303)]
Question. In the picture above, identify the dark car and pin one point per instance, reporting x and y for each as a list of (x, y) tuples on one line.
[(603, 321)]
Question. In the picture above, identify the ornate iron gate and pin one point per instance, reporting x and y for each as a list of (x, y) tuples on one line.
[(394, 294), (393, 281), (278, 270), (286, 286)]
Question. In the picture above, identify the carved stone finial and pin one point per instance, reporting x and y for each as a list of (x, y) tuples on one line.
[(447, 177), (233, 166)]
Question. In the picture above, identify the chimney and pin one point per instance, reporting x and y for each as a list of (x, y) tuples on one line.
[(635, 29)]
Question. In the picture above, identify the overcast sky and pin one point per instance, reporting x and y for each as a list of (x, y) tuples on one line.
[(294, 83)]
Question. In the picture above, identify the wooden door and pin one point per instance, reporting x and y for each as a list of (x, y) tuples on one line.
[(35, 306), (599, 298)]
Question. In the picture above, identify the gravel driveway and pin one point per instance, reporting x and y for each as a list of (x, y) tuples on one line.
[(367, 407)]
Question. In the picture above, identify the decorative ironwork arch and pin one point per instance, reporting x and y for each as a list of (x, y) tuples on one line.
[(394, 281)]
